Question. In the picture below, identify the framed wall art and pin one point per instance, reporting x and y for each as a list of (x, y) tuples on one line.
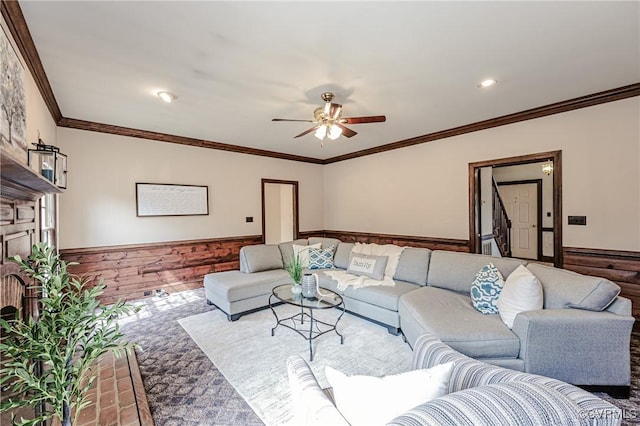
[(13, 109), (158, 199)]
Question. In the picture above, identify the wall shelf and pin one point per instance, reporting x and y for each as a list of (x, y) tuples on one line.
[(20, 182)]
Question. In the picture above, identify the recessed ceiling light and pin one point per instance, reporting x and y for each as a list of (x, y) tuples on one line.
[(166, 96), (487, 83)]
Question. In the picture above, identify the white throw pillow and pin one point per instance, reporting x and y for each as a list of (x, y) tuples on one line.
[(303, 253), (521, 292), (370, 401), (369, 266)]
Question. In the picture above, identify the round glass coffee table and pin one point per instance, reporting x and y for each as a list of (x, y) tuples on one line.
[(304, 323)]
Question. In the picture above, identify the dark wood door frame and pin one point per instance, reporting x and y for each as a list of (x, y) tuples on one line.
[(538, 183), (474, 205), (296, 223)]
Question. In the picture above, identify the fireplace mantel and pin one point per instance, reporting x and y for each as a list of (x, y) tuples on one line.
[(17, 181)]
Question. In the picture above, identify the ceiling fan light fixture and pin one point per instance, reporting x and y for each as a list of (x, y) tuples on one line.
[(334, 132), (321, 132), (166, 96), (329, 123)]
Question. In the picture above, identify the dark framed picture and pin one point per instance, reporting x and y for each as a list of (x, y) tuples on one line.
[(162, 199)]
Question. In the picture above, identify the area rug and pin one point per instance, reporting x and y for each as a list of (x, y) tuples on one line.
[(254, 362)]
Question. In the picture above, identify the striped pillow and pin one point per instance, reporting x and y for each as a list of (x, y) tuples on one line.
[(512, 403)]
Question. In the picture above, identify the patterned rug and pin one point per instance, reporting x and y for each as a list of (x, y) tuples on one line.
[(259, 374), (184, 387)]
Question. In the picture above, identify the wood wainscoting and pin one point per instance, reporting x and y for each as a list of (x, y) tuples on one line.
[(400, 240), (131, 270), (621, 267)]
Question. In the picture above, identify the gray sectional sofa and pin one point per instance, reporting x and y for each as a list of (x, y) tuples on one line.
[(581, 336), (478, 394)]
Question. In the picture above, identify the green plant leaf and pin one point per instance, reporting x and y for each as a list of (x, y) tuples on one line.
[(51, 360)]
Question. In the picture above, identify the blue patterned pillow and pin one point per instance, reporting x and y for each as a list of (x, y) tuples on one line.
[(486, 289), (321, 258)]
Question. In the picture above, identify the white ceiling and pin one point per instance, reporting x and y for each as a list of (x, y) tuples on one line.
[(236, 65)]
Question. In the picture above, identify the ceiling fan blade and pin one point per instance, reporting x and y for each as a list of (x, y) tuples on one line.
[(361, 120), (347, 132), (289, 119), (307, 131)]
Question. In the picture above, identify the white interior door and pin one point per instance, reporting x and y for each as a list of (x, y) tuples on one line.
[(521, 203)]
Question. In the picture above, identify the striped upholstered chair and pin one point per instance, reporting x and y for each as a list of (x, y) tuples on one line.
[(479, 394)]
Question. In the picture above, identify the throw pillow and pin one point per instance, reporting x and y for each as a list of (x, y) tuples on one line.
[(321, 258), (303, 253), (521, 292), (486, 289), (369, 266), (367, 401)]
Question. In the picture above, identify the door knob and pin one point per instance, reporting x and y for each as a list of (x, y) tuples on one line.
[(533, 226)]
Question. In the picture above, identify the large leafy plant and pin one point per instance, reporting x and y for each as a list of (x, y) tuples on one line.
[(48, 362)]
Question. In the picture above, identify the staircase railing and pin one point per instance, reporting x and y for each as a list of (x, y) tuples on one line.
[(501, 223)]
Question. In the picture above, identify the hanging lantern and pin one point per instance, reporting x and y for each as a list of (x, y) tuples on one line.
[(49, 162)]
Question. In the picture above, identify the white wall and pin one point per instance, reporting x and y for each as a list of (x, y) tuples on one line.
[(286, 213), (99, 206), (423, 190), (272, 214)]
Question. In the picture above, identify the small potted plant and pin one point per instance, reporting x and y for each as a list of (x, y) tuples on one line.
[(294, 268)]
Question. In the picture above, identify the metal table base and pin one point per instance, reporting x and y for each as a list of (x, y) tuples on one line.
[(305, 324)]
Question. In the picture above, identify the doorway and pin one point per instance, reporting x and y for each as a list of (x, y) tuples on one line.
[(549, 238), (279, 211), (523, 203)]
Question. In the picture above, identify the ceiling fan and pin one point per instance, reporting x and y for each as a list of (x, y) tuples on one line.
[(329, 123)]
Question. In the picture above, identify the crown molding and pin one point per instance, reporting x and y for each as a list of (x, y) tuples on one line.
[(91, 126), (12, 14), (611, 95)]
